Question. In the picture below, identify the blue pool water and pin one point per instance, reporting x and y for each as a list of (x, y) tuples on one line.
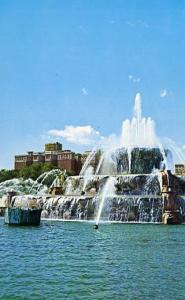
[(71, 260)]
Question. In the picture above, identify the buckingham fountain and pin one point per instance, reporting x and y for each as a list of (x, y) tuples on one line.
[(133, 182)]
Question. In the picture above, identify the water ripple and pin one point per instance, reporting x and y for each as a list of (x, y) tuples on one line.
[(61, 260)]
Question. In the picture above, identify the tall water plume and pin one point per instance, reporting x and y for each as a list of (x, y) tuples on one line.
[(138, 131)]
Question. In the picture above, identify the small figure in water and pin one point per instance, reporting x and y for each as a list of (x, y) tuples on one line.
[(95, 226)]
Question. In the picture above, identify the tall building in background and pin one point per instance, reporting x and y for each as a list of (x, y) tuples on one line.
[(53, 147), (54, 155)]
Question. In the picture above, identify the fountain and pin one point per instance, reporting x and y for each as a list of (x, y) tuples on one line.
[(131, 182), (127, 184)]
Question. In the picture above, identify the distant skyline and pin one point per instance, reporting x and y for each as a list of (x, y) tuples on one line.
[(74, 66)]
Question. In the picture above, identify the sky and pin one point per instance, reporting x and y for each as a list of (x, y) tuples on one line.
[(70, 69)]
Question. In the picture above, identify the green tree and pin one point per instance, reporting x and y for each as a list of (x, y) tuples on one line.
[(8, 174), (35, 170)]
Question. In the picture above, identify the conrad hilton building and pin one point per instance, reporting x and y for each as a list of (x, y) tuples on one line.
[(55, 155)]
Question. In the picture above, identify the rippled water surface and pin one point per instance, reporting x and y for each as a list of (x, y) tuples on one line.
[(71, 260)]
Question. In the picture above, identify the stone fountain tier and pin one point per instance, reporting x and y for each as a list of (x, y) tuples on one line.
[(69, 208), (131, 184), (137, 198), (178, 183), (117, 208), (137, 160)]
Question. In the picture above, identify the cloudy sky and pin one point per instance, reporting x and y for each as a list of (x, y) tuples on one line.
[(69, 70)]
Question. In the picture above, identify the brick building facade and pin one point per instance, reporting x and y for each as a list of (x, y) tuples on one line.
[(53, 154)]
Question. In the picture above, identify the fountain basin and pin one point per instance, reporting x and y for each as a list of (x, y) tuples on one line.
[(23, 217)]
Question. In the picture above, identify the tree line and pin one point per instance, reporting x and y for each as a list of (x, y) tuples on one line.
[(33, 171)]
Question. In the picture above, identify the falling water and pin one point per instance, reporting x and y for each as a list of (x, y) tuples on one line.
[(88, 161), (69, 186), (100, 164), (87, 176), (56, 182), (37, 181), (55, 172), (108, 190)]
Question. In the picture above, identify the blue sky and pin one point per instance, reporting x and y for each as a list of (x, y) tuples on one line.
[(79, 63)]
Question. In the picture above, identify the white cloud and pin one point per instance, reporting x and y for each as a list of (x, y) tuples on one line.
[(81, 135), (84, 91), (163, 93), (134, 79)]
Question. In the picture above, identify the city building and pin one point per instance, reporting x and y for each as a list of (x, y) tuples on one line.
[(23, 160), (69, 160), (53, 147), (53, 154)]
